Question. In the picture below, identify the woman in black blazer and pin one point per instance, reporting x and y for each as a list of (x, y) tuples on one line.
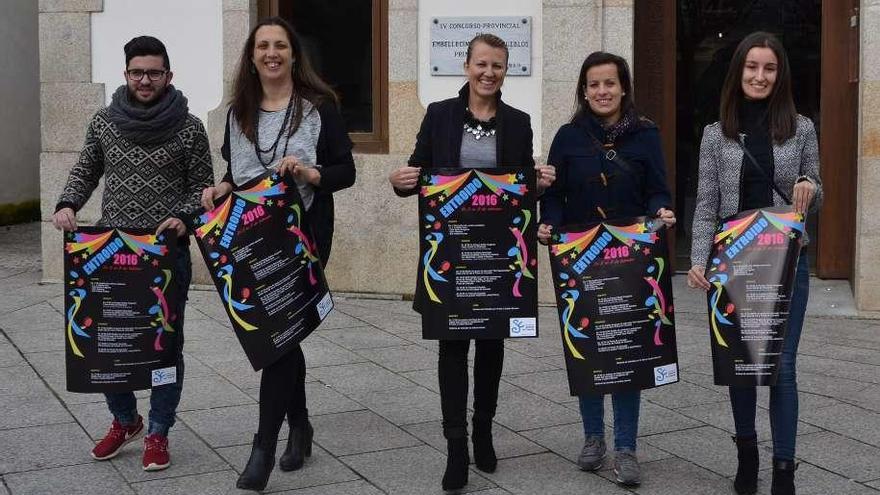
[(477, 130)]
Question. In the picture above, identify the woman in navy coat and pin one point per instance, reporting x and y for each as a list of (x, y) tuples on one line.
[(609, 164)]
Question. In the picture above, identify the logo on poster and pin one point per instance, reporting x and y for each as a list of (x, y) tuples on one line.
[(324, 306), (164, 376), (523, 327), (666, 374)]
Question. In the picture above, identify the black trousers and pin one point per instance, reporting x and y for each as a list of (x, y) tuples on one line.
[(452, 371), (283, 392)]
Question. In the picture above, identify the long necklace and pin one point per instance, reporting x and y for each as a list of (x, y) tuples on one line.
[(274, 147), (479, 128)]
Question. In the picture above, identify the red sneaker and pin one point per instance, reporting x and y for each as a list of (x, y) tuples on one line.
[(156, 456), (116, 438)]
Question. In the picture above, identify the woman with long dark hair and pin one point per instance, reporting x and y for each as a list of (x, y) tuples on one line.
[(758, 118), (478, 130), (610, 165), (284, 117)]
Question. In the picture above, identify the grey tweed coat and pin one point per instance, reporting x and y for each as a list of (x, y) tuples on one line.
[(721, 162)]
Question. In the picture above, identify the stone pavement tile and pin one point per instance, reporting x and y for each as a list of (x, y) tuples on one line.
[(720, 416), (219, 483), (867, 373), (42, 447), (9, 355), (320, 352), (220, 349), (425, 378), (684, 394), (567, 441), (552, 385), (359, 377), (846, 457), (362, 338), (675, 476), (26, 401), (322, 399), (847, 420), (189, 455), (875, 484), (516, 363), (348, 488), (519, 410), (210, 391), (25, 295), (840, 352), (320, 469), (357, 432), (868, 398), (225, 426), (839, 388), (708, 447), (409, 471), (401, 406), (85, 479), (239, 372), (655, 419), (38, 339), (548, 474), (338, 319), (506, 442), (812, 480), (204, 328), (402, 358)]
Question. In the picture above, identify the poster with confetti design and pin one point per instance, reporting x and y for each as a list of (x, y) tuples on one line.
[(614, 298), (477, 253), (263, 260), (751, 270), (120, 303)]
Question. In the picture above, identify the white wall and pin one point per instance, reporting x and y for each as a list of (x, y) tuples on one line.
[(191, 31), (20, 97), (523, 92)]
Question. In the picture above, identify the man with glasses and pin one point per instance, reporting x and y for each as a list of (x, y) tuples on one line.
[(155, 159)]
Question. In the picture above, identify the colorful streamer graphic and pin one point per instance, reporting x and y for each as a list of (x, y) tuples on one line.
[(161, 310), (658, 299), (72, 327), (570, 297), (576, 242), (503, 183), (214, 219), (521, 251), (734, 228), (304, 246), (429, 273), (444, 184), (630, 234), (261, 193), (90, 243), (233, 306), (140, 244)]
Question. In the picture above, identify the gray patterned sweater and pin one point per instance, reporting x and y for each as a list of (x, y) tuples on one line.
[(144, 184), (718, 189)]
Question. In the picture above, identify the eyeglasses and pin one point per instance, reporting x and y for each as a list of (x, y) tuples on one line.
[(138, 74)]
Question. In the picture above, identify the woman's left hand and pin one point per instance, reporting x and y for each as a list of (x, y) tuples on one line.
[(546, 175), (803, 195), (666, 216), (293, 167)]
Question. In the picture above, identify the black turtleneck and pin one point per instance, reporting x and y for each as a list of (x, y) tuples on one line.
[(756, 190)]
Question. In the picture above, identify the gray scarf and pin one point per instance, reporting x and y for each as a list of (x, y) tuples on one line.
[(154, 124)]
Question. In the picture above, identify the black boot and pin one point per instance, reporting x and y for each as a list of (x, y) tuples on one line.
[(259, 466), (484, 451), (299, 446), (783, 477), (746, 481), (457, 460)]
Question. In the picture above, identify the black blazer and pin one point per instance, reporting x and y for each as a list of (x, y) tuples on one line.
[(438, 143)]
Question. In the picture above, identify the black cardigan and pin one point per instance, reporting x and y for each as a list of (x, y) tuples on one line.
[(333, 153), (438, 143)]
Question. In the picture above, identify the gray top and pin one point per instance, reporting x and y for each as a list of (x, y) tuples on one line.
[(478, 153), (302, 145)]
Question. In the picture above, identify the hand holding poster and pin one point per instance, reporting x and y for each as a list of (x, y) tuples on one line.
[(261, 256), (477, 269), (119, 309), (752, 269), (614, 296)]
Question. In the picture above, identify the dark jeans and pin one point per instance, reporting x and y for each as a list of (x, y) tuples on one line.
[(283, 392), (783, 395), (626, 417), (453, 374), (164, 398)]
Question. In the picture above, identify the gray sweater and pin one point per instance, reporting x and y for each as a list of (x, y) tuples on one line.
[(721, 162)]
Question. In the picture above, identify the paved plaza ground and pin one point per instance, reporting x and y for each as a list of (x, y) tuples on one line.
[(373, 399)]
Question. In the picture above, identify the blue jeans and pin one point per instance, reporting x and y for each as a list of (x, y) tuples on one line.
[(783, 395), (164, 398), (626, 417)]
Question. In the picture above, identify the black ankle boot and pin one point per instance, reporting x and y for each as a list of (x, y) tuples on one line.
[(457, 460), (746, 481), (259, 466), (484, 451), (783, 477), (299, 446)]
